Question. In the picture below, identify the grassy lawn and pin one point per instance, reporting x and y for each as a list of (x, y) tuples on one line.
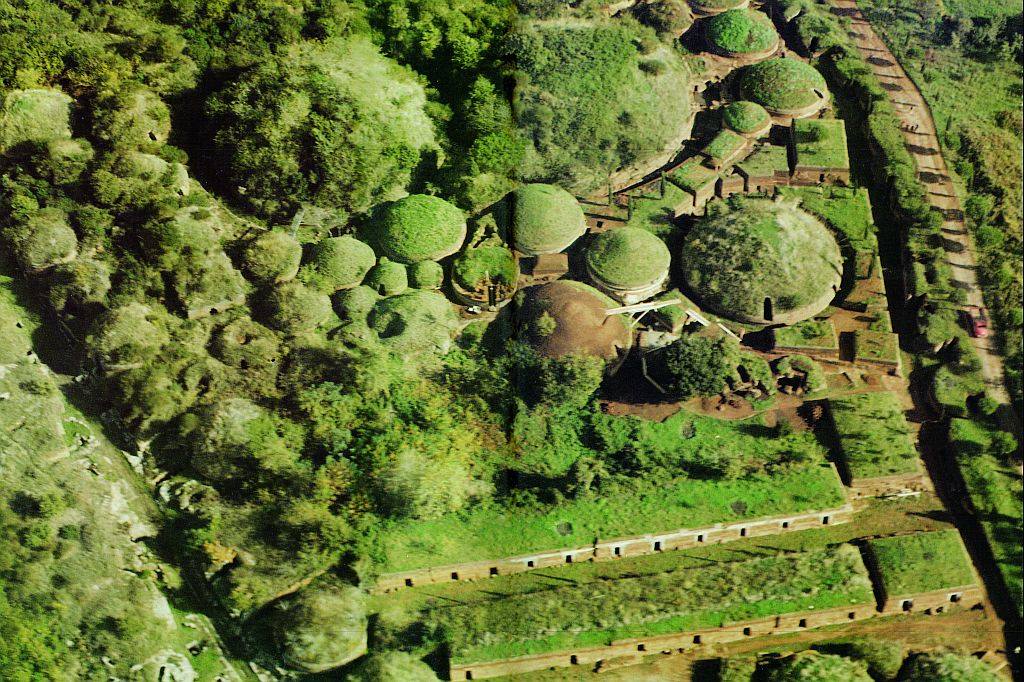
[(873, 435), (692, 176), (909, 564), (496, 532), (876, 345), (821, 143), (994, 486), (724, 145), (664, 603), (765, 161), (809, 334), (847, 210)]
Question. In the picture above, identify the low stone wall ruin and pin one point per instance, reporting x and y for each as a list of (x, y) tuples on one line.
[(608, 550)]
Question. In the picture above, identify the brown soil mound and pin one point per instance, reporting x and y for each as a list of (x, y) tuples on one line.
[(565, 318)]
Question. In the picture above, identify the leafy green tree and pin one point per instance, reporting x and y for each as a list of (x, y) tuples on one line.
[(132, 118), (697, 365), (335, 124)]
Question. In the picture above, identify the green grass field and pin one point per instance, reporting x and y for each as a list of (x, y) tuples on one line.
[(570, 616), (993, 484), (846, 210), (496, 532), (923, 562), (873, 435), (809, 334), (821, 143)]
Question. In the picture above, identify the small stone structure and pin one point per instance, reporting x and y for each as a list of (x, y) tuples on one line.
[(820, 152)]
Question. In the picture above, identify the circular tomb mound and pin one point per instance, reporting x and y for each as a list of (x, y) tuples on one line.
[(628, 264), (762, 262), (711, 7), (568, 318), (339, 263), (415, 322), (476, 270), (746, 118), (545, 219), (741, 33), (416, 228), (786, 87)]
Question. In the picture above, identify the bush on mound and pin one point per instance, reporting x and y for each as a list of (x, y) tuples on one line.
[(388, 278), (741, 31), (475, 268), (782, 85), (628, 258), (273, 257), (595, 96), (38, 115), (339, 263), (416, 228), (762, 261), (745, 117), (568, 318), (426, 275), (810, 665), (545, 219), (416, 321), (321, 627)]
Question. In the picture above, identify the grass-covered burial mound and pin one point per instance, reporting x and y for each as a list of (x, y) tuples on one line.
[(745, 118), (544, 219), (741, 32), (595, 96), (628, 263), (418, 227), (784, 86), (568, 318), (762, 261)]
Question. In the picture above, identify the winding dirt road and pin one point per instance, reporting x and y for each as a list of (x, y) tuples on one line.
[(923, 143)]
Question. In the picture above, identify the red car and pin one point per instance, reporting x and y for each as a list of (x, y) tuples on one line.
[(976, 319)]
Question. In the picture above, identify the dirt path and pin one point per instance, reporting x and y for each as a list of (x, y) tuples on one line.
[(923, 143)]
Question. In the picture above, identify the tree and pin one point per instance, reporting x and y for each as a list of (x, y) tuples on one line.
[(133, 118), (331, 123), (321, 627), (697, 365), (883, 658)]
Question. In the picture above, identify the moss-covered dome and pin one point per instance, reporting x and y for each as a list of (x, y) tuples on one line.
[(426, 275), (741, 32), (762, 262), (388, 278), (477, 266), (628, 258), (273, 257), (568, 318), (415, 322), (418, 227), (545, 219), (37, 115), (745, 117), (784, 86), (339, 263), (715, 6)]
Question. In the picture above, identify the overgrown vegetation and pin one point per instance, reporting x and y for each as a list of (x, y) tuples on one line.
[(922, 562)]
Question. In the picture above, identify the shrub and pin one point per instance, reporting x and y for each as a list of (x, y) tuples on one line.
[(273, 257), (696, 365), (485, 264), (820, 668), (949, 667)]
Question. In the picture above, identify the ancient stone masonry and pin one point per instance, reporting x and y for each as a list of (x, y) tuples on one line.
[(607, 550)]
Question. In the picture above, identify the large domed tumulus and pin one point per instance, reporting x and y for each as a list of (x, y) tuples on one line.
[(741, 32), (763, 262), (628, 264), (544, 219), (416, 228), (568, 318), (785, 86)]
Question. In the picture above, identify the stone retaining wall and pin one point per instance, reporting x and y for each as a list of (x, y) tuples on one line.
[(591, 657), (606, 550)]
